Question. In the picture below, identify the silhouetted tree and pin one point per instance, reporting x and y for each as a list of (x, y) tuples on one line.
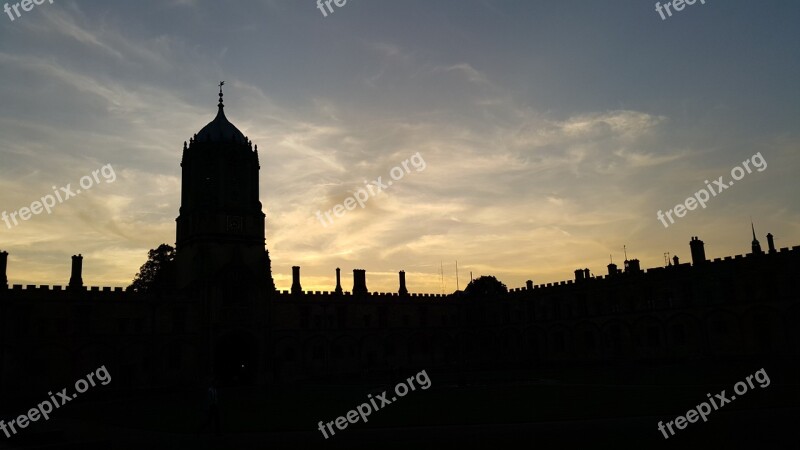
[(485, 286), (157, 273)]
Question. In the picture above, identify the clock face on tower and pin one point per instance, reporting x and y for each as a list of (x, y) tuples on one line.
[(234, 224)]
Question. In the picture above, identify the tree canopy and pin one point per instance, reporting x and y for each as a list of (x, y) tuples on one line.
[(485, 286), (157, 273)]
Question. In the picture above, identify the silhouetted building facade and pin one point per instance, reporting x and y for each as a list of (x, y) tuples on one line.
[(224, 319)]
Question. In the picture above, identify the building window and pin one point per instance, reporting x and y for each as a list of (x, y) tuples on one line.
[(558, 341), (179, 321), (174, 357), (678, 334), (123, 325), (616, 336), (588, 340), (653, 337)]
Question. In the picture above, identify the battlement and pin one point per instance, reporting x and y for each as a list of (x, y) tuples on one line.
[(331, 295), (56, 293), (44, 287)]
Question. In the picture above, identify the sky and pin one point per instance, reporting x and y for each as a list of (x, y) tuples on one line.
[(552, 132)]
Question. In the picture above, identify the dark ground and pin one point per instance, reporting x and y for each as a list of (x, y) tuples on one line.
[(569, 408)]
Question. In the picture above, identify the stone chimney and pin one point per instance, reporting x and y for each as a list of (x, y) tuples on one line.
[(360, 282), (698, 251), (632, 266), (76, 279), (3, 265), (403, 290), (338, 281), (296, 288)]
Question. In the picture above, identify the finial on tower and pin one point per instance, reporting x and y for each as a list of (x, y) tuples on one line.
[(221, 83)]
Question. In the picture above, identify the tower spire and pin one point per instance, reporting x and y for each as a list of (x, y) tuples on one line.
[(220, 104), (756, 246)]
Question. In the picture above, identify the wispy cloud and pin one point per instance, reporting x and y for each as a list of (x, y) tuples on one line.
[(532, 171)]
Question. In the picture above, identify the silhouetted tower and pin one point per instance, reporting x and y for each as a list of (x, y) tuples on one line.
[(76, 278), (296, 287), (3, 265), (221, 224), (698, 251), (360, 282), (338, 281), (403, 290), (676, 261), (529, 285), (756, 246), (771, 243)]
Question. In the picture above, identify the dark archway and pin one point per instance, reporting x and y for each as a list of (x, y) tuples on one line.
[(235, 362)]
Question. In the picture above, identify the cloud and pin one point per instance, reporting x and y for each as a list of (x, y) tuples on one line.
[(513, 187)]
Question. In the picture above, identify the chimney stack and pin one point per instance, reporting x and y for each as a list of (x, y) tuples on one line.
[(403, 290), (338, 281), (698, 251), (3, 265), (771, 243), (76, 280), (360, 282), (632, 266), (296, 288)]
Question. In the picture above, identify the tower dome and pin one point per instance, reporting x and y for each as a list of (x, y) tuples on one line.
[(220, 129)]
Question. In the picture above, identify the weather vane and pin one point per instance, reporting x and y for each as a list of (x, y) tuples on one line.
[(221, 83)]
